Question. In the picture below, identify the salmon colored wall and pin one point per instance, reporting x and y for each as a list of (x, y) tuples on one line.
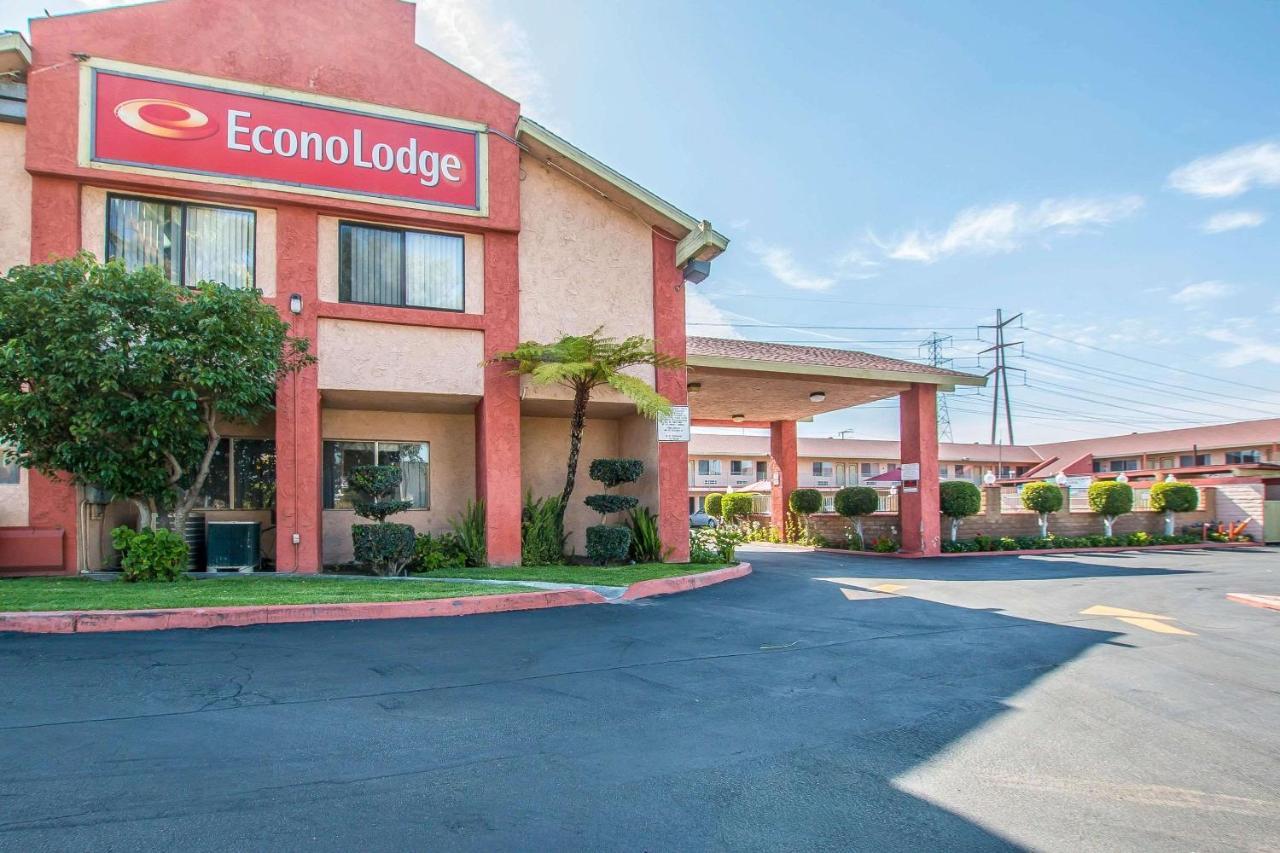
[(15, 189), (544, 456), (669, 338), (386, 357), (918, 416), (452, 473), (93, 233)]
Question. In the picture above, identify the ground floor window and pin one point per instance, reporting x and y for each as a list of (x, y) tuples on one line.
[(242, 475), (10, 474), (414, 459)]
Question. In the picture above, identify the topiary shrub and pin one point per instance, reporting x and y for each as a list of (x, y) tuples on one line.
[(712, 504), (1173, 497), (1110, 499), (150, 555), (383, 547), (611, 543), (736, 505), (958, 499), (1042, 498), (804, 503), (855, 502)]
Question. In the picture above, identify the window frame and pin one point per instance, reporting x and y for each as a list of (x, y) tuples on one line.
[(1255, 457), (377, 451), (232, 477), (184, 205), (404, 277)]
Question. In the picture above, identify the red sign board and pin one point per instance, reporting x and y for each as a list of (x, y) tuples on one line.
[(221, 133)]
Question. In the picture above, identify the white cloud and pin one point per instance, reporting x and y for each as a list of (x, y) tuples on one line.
[(711, 319), (1230, 220), (1244, 349), (491, 48), (1004, 227), (782, 265), (1202, 292), (1231, 172)]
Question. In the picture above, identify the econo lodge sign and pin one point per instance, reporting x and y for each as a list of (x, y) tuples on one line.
[(141, 121)]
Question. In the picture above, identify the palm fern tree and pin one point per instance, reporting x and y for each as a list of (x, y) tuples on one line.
[(583, 363)]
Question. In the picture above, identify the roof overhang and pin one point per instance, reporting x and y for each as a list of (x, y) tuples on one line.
[(15, 54), (696, 239), (945, 382)]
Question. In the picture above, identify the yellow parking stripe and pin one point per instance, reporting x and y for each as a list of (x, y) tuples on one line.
[(1155, 625), (888, 587), (1153, 622)]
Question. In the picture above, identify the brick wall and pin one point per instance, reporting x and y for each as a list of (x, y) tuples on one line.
[(1241, 502)]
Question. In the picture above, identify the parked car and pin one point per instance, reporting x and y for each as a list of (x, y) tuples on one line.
[(702, 519)]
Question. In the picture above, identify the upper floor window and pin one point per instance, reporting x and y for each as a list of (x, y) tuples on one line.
[(823, 469), (738, 468), (392, 266), (708, 467), (1193, 460), (191, 243), (762, 470), (1118, 465), (1243, 457)]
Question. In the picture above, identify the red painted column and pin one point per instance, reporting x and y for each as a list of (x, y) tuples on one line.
[(298, 440), (784, 471), (498, 413), (918, 511), (55, 233), (673, 456)]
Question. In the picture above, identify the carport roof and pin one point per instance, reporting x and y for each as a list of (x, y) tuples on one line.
[(818, 361)]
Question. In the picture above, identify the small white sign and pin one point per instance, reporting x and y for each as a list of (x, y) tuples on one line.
[(910, 471), (674, 426), (1078, 483)]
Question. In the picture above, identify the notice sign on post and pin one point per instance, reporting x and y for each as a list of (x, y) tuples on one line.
[(911, 477), (674, 426)]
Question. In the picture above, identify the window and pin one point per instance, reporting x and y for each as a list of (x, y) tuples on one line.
[(708, 467), (245, 468), (390, 266), (960, 472), (1193, 460), (414, 459), (738, 468), (1117, 465), (10, 474), (1243, 457), (823, 469), (762, 470), (191, 243), (866, 469)]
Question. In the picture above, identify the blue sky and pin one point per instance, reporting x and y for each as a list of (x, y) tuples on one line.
[(1112, 171)]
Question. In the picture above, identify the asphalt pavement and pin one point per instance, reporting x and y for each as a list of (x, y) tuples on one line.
[(1106, 702)]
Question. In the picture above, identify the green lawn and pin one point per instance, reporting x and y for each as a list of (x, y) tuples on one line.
[(596, 575), (89, 594)]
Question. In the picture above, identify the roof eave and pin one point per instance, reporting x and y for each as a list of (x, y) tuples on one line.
[(697, 240), (945, 382)]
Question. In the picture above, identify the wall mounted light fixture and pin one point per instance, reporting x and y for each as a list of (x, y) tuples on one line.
[(295, 303), (737, 419)]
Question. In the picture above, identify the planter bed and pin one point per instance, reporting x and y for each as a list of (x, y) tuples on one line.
[(1101, 549)]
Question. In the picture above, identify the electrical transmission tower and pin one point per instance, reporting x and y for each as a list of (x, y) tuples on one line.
[(1001, 373), (932, 350)]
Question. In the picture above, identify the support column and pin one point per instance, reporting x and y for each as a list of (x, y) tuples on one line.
[(55, 233), (784, 471), (673, 456), (918, 511), (299, 477), (498, 413)]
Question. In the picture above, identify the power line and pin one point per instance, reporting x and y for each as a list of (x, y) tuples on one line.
[(1001, 373), (849, 328), (933, 351)]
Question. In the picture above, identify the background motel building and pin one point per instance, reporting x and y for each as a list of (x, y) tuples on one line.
[(410, 222)]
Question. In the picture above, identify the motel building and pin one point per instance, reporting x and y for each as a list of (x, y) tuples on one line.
[(410, 222)]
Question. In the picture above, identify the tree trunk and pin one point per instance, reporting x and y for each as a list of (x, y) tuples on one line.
[(1168, 523), (1107, 521), (581, 394), (192, 494), (955, 528), (1044, 525), (862, 541)]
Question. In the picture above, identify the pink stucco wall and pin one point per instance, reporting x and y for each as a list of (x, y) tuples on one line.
[(15, 189)]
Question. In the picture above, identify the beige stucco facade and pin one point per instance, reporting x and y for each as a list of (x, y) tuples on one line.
[(452, 475), (14, 502), (544, 451), (360, 355), (15, 189), (93, 233)]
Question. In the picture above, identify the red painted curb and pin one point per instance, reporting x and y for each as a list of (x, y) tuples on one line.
[(97, 621), (1266, 602), (684, 583), (1022, 551)]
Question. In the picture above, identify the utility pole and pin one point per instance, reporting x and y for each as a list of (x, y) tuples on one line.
[(932, 350), (1001, 373)]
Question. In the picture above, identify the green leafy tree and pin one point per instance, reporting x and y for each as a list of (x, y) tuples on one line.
[(736, 505), (583, 363), (713, 504), (1042, 498), (120, 379), (959, 499), (1110, 499), (855, 502), (1173, 497), (804, 503)]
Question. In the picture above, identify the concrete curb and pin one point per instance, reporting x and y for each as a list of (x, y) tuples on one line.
[(1198, 546), (1266, 602), (99, 621), (684, 583)]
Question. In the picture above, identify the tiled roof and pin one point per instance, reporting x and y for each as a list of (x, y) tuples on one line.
[(1238, 434), (815, 356)]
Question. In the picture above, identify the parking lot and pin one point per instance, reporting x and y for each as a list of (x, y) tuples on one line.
[(1104, 702)]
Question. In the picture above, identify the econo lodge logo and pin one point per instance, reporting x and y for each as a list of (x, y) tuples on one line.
[(166, 119)]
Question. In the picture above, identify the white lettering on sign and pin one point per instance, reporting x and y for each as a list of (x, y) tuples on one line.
[(429, 166)]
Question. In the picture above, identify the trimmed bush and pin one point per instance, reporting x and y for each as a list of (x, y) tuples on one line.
[(1110, 499), (434, 552), (386, 547), (805, 501), (608, 543), (606, 504), (150, 555), (855, 502), (614, 472), (736, 505), (374, 487), (1042, 498), (957, 500), (712, 504), (1174, 497)]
